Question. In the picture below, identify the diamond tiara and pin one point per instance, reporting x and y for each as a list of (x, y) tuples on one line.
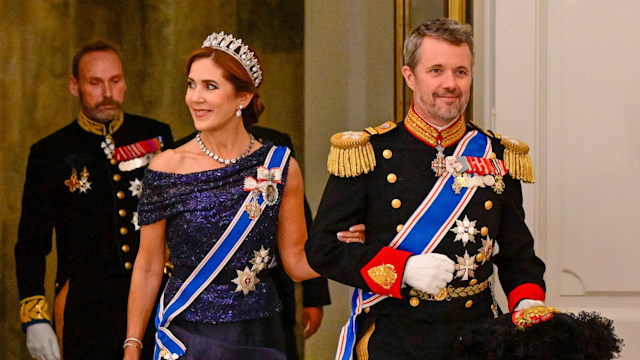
[(240, 51)]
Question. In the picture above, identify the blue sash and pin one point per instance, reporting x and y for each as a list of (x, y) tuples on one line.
[(423, 231), (211, 265)]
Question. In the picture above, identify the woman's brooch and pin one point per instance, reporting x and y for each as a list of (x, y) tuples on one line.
[(265, 186)]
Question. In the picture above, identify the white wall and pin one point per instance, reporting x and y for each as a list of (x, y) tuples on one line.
[(566, 82)]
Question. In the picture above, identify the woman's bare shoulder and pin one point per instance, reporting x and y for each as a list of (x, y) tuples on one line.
[(179, 160)]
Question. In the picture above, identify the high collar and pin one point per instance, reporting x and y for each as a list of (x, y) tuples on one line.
[(428, 134), (98, 128)]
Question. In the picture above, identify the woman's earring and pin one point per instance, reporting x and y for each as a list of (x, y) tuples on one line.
[(239, 111)]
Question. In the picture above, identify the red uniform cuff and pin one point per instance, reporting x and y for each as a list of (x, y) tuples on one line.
[(525, 291), (384, 272)]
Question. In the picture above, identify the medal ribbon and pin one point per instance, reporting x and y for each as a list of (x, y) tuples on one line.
[(210, 266), (139, 149), (423, 231)]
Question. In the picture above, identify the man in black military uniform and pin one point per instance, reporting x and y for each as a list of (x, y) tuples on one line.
[(441, 200), (315, 292), (84, 181)]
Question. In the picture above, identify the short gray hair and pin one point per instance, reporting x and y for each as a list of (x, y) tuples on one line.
[(444, 29)]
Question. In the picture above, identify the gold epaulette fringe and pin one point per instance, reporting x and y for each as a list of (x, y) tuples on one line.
[(351, 153), (517, 159)]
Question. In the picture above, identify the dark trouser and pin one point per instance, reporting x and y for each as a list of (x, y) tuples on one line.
[(407, 338), (95, 320)]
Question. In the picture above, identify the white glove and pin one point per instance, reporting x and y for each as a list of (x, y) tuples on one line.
[(428, 272), (42, 342), (527, 303)]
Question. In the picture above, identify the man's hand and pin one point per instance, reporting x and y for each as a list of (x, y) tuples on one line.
[(428, 272), (311, 319), (355, 234), (527, 303), (42, 342)]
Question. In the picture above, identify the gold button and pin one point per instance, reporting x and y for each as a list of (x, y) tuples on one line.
[(493, 155), (479, 258), (468, 304), (116, 177), (127, 265), (123, 230), (391, 178), (396, 203), (125, 248), (414, 301), (488, 205), (122, 212), (366, 310), (120, 195), (399, 227), (387, 154), (113, 161), (484, 231), (474, 281)]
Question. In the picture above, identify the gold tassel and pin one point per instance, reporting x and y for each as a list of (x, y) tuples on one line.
[(351, 154), (517, 160)]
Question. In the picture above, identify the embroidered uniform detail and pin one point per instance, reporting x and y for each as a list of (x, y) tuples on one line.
[(82, 184), (34, 308), (484, 253), (466, 266), (97, 128), (429, 135), (246, 280), (465, 231), (534, 315), (384, 275), (136, 187), (261, 259), (451, 292)]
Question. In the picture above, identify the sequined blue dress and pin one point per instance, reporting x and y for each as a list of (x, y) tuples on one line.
[(229, 319)]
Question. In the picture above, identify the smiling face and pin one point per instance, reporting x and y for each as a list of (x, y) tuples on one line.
[(100, 85), (212, 99), (441, 80)]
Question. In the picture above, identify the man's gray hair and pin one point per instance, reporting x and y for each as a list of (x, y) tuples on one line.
[(444, 29)]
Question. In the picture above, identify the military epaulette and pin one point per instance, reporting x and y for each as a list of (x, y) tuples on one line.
[(351, 153), (516, 155)]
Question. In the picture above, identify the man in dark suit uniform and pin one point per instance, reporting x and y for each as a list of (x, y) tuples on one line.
[(440, 208), (315, 292), (84, 181)]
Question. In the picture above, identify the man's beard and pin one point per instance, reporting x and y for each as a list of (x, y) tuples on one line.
[(102, 115), (445, 114)]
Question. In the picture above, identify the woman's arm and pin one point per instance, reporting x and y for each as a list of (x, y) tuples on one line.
[(145, 283), (292, 229)]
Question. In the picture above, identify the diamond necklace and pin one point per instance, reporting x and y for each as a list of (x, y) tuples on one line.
[(218, 158)]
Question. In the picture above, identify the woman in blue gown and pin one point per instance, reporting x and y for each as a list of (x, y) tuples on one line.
[(228, 208)]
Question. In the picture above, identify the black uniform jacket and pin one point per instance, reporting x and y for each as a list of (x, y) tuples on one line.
[(95, 236), (405, 174)]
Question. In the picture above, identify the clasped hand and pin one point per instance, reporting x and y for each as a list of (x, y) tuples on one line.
[(428, 272)]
